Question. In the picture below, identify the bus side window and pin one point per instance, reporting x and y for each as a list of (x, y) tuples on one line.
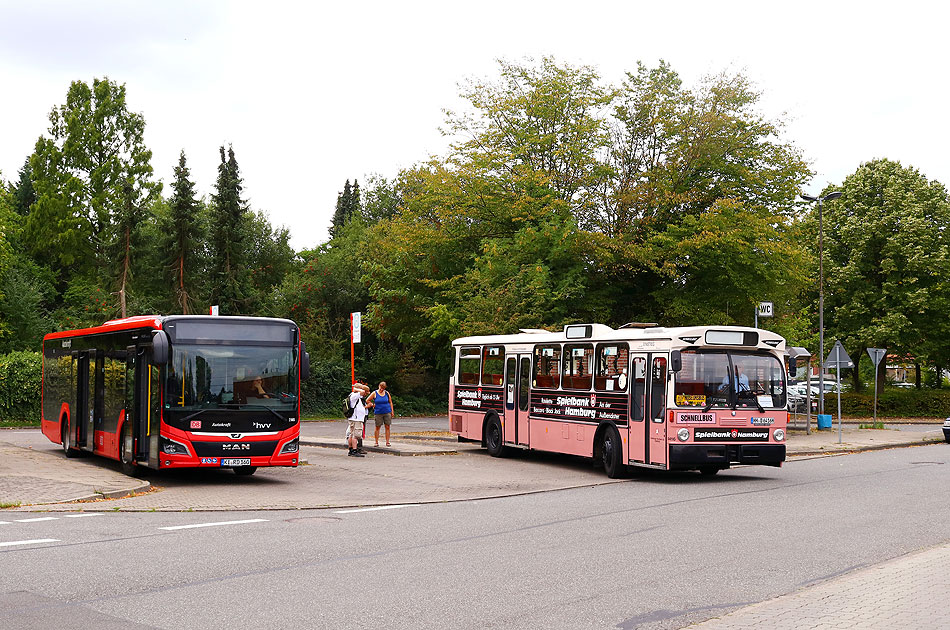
[(469, 366), (639, 387)]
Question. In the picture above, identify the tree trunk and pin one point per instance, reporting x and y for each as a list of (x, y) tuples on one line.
[(182, 293), (939, 384), (125, 271), (917, 375)]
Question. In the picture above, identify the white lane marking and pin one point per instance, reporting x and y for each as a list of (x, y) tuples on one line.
[(28, 542), (37, 520), (4, 522), (80, 515), (253, 520), (374, 509)]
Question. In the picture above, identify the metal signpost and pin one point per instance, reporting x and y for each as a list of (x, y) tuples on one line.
[(838, 359), (876, 355), (764, 309), (356, 330)]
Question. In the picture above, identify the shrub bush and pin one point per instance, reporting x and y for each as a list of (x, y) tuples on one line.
[(894, 403), (20, 374)]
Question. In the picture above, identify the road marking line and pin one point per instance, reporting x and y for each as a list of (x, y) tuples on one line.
[(374, 509), (80, 515), (4, 522), (28, 542), (37, 520), (253, 520)]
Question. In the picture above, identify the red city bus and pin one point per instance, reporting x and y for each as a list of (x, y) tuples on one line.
[(177, 391), (694, 398)]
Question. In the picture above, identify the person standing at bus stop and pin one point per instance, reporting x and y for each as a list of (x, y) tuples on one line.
[(356, 420), (382, 403)]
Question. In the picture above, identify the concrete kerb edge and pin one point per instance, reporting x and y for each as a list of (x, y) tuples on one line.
[(376, 449), (860, 449), (143, 486)]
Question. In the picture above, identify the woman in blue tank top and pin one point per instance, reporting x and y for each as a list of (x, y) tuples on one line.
[(382, 403)]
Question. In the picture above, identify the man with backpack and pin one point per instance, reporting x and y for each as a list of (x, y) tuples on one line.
[(355, 412)]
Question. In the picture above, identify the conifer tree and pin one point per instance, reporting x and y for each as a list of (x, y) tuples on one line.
[(229, 234), (182, 230), (347, 205), (23, 194)]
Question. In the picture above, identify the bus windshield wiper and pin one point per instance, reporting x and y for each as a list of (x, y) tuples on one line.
[(192, 415)]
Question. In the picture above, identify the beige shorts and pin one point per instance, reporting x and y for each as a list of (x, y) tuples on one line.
[(384, 418), (355, 429)]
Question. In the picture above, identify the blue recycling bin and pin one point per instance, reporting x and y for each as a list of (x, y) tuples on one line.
[(824, 421)]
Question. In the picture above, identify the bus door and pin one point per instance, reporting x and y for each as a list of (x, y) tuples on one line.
[(656, 411), (136, 399), (511, 398), (524, 397), (517, 381), (637, 437), (84, 418)]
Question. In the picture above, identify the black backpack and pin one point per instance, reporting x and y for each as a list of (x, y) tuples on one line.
[(347, 409)]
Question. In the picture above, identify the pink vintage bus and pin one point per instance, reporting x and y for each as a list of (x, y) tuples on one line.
[(691, 398)]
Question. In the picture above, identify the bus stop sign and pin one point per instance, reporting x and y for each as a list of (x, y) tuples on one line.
[(838, 359)]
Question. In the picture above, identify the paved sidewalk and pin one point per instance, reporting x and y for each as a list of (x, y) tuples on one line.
[(907, 592)]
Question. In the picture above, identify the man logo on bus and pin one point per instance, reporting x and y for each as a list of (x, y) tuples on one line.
[(735, 434)]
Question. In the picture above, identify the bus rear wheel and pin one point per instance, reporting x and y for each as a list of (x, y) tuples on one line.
[(66, 437), (245, 471), (610, 453), (494, 440), (709, 471)]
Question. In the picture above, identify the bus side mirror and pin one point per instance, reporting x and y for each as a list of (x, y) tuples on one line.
[(159, 347), (304, 362), (676, 361)]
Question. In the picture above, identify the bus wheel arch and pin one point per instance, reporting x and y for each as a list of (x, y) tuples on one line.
[(608, 450), (492, 436)]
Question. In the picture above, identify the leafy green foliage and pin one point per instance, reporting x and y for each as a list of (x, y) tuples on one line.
[(20, 388)]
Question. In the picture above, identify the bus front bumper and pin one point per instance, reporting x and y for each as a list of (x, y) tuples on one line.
[(690, 456)]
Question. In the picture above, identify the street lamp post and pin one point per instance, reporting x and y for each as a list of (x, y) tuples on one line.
[(821, 298)]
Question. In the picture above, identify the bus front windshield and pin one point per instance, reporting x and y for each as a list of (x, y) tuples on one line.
[(208, 376), (730, 379)]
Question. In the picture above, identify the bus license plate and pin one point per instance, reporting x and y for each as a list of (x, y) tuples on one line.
[(243, 461)]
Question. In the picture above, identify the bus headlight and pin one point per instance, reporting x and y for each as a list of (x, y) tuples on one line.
[(683, 434), (171, 447), (290, 447), (778, 434)]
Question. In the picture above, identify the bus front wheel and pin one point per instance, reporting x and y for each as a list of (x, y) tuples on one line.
[(125, 451), (245, 471), (709, 471), (66, 438), (610, 453), (494, 440)]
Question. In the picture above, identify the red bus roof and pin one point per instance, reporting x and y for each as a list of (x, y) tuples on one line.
[(139, 321)]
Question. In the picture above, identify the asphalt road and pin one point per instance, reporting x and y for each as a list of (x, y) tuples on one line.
[(658, 551)]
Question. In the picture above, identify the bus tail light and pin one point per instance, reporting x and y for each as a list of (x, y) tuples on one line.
[(683, 434)]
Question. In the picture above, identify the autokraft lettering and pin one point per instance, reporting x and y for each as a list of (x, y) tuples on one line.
[(695, 418), (222, 425), (731, 435), (763, 422)]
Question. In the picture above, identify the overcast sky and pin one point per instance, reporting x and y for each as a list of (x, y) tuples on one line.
[(311, 96)]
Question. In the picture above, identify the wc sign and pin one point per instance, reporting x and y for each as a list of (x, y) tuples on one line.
[(765, 309)]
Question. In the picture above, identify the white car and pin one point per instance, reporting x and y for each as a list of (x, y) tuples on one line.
[(946, 430)]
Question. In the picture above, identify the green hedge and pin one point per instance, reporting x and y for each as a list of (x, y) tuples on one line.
[(894, 403), (20, 374)]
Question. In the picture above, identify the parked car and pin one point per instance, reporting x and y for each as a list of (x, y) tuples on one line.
[(946, 430)]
